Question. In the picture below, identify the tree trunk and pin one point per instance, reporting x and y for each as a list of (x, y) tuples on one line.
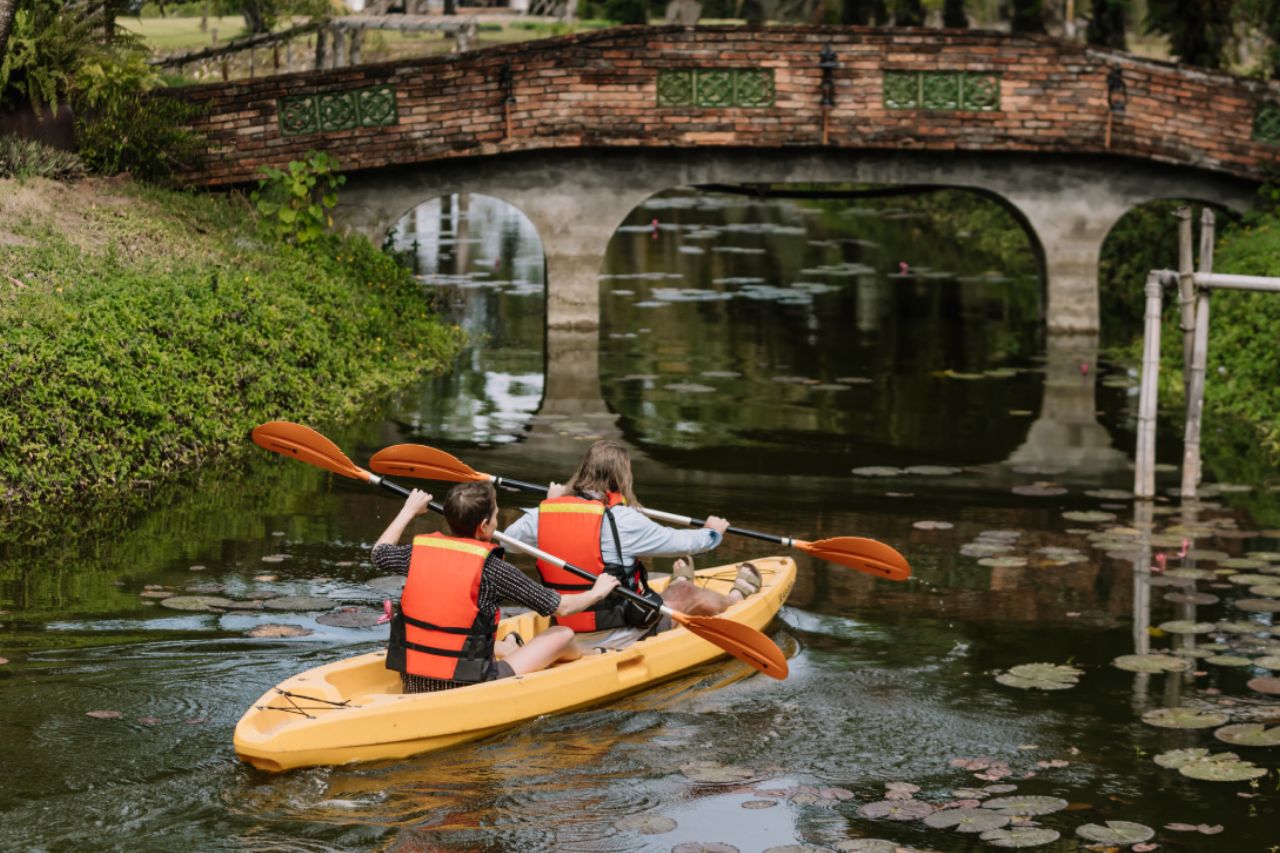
[(7, 8)]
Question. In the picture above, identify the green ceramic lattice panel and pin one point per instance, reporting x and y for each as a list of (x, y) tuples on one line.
[(901, 90), (377, 106), (941, 90), (1266, 124), (980, 92), (297, 115), (716, 87), (675, 88), (333, 111)]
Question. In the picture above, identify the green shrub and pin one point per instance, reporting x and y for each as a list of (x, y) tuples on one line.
[(27, 158), (294, 204), (120, 127), (124, 366), (627, 11)]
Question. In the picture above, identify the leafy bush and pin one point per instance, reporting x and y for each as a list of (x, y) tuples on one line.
[(294, 204), (27, 158), (120, 127), (627, 11), (124, 366)]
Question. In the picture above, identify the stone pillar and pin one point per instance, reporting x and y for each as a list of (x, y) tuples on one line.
[(572, 403)]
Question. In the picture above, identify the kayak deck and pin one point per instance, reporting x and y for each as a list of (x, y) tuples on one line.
[(354, 709)]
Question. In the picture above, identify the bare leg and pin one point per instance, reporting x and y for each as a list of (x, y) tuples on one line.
[(553, 644), (688, 597)]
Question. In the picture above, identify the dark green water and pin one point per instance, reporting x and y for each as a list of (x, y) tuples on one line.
[(753, 354)]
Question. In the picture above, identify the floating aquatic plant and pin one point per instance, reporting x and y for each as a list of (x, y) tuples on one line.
[(350, 617), (1040, 676), (299, 602), (927, 470), (1183, 718), (1228, 660), (1088, 515), (1242, 626), (877, 471), (1176, 758), (1198, 598), (1215, 769), (275, 630), (1039, 490), (1151, 663), (713, 773), (206, 603), (867, 845), (896, 809), (1116, 832), (1242, 563), (1249, 734), (1020, 836), (645, 824), (1246, 579), (1003, 562), (967, 820), (1269, 686), (1271, 589), (1184, 626), (1026, 805), (933, 525), (104, 715), (1255, 605)]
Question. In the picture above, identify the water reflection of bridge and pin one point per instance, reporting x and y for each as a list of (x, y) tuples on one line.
[(1065, 435)]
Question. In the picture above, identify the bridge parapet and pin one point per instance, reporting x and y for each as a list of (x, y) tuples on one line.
[(672, 87)]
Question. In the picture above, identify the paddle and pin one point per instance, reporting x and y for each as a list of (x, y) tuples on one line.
[(742, 641), (863, 555)]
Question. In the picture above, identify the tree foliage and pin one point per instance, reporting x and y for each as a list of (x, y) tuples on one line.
[(1199, 31), (1107, 23), (1027, 16)]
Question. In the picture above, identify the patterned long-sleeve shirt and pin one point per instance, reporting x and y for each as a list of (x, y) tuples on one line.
[(499, 581)]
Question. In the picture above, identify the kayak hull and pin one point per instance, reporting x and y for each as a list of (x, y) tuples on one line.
[(354, 710)]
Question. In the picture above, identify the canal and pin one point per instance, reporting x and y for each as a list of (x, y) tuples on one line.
[(870, 366)]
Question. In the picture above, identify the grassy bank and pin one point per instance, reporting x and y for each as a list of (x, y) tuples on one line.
[(147, 331)]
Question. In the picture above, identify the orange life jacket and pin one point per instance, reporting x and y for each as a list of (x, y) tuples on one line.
[(569, 527), (440, 631)]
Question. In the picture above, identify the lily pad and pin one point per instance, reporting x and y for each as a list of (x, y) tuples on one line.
[(299, 602), (645, 824), (1246, 579), (712, 773), (104, 715), (350, 617), (1268, 662), (1026, 805), (933, 470), (1193, 574), (1178, 757), (1183, 718), (967, 820), (390, 584), (1266, 590), (1269, 686), (1268, 556), (1242, 563), (1225, 770), (1116, 832), (759, 804), (1151, 663), (1198, 598), (877, 471), (933, 525), (199, 603), (896, 809), (1040, 676), (1020, 836), (1184, 626), (1088, 516), (275, 629), (1036, 490), (867, 845), (1249, 605), (704, 847), (1249, 734), (1003, 562), (984, 549)]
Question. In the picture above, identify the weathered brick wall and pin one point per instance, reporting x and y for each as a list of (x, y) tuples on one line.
[(893, 88)]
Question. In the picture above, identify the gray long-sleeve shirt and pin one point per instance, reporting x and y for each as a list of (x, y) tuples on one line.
[(640, 536)]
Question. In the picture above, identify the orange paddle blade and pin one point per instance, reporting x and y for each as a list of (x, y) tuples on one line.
[(424, 463), (864, 555), (742, 641), (306, 444)]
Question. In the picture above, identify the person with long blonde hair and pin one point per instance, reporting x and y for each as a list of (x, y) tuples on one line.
[(594, 522)]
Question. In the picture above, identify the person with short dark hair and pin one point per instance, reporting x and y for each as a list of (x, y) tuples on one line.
[(444, 635)]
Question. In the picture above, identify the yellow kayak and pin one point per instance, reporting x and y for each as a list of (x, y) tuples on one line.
[(354, 710)]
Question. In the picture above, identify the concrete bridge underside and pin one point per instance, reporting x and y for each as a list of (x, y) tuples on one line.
[(577, 199)]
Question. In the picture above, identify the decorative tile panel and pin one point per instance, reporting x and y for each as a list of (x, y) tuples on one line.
[(716, 87), (941, 90), (327, 112), (1266, 124)]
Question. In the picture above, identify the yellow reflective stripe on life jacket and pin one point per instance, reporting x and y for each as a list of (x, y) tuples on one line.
[(451, 545), (592, 508)]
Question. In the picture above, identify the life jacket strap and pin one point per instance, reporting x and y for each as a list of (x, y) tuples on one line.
[(427, 626), (432, 650)]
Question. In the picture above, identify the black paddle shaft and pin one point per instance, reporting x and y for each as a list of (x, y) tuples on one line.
[(692, 522), (400, 490)]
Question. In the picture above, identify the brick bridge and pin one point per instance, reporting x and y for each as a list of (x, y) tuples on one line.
[(576, 131)]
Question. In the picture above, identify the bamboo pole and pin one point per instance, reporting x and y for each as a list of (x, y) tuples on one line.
[(1224, 281), (1206, 239), (1144, 477), (1195, 398), (1186, 292), (321, 36)]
